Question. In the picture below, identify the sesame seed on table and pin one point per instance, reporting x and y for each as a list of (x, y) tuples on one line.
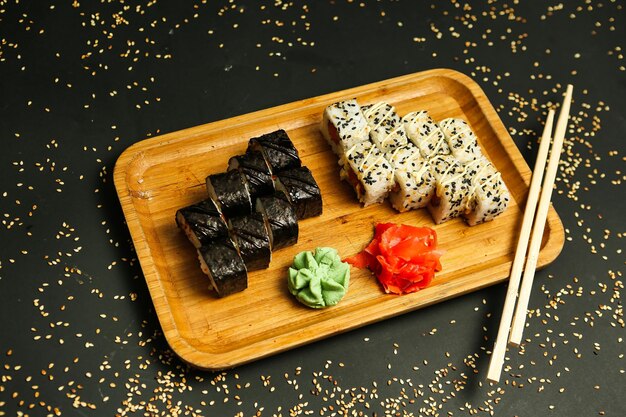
[(82, 81)]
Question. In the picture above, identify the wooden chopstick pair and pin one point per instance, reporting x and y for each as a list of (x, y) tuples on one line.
[(512, 330)]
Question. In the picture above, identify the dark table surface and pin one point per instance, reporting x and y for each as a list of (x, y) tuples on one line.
[(81, 81)]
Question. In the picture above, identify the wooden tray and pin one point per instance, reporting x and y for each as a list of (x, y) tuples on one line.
[(157, 176)]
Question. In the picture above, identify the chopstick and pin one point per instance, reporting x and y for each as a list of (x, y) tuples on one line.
[(519, 319), (499, 349)]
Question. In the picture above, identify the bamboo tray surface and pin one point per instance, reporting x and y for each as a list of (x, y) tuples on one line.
[(157, 176)]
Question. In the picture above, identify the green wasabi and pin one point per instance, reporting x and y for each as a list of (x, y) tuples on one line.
[(319, 280)]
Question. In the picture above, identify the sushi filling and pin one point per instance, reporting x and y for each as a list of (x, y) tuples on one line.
[(333, 133)]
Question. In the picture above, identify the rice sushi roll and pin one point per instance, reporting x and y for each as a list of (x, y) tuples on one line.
[(302, 191), (489, 195), (368, 172), (252, 239), (386, 127), (229, 191), (278, 150), (452, 189), (280, 219), (461, 139), (414, 183), (440, 164), (256, 171), (221, 262), (422, 130), (201, 222), (343, 126)]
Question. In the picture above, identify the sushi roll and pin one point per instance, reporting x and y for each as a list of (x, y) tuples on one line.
[(255, 169), (368, 172), (302, 191), (343, 126), (221, 262), (461, 139), (250, 235), (230, 192), (201, 222), (280, 219), (386, 128), (422, 130), (489, 195), (452, 189), (278, 150), (415, 184), (439, 165)]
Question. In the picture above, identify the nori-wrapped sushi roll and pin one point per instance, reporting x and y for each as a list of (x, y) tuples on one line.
[(278, 150), (256, 170), (201, 222), (230, 192), (251, 236), (302, 191), (280, 218), (222, 263)]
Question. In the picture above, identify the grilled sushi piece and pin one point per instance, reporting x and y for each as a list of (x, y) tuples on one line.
[(489, 195), (452, 189), (422, 130), (280, 219), (302, 191), (415, 184), (256, 171), (230, 192), (343, 126), (461, 139), (386, 127), (221, 262), (278, 150), (201, 222), (250, 234), (368, 172)]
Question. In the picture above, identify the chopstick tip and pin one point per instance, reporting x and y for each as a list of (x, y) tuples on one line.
[(514, 343), (493, 374)]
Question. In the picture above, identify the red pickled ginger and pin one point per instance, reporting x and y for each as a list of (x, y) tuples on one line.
[(404, 258)]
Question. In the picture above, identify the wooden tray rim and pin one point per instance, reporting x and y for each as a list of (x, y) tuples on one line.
[(131, 158)]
